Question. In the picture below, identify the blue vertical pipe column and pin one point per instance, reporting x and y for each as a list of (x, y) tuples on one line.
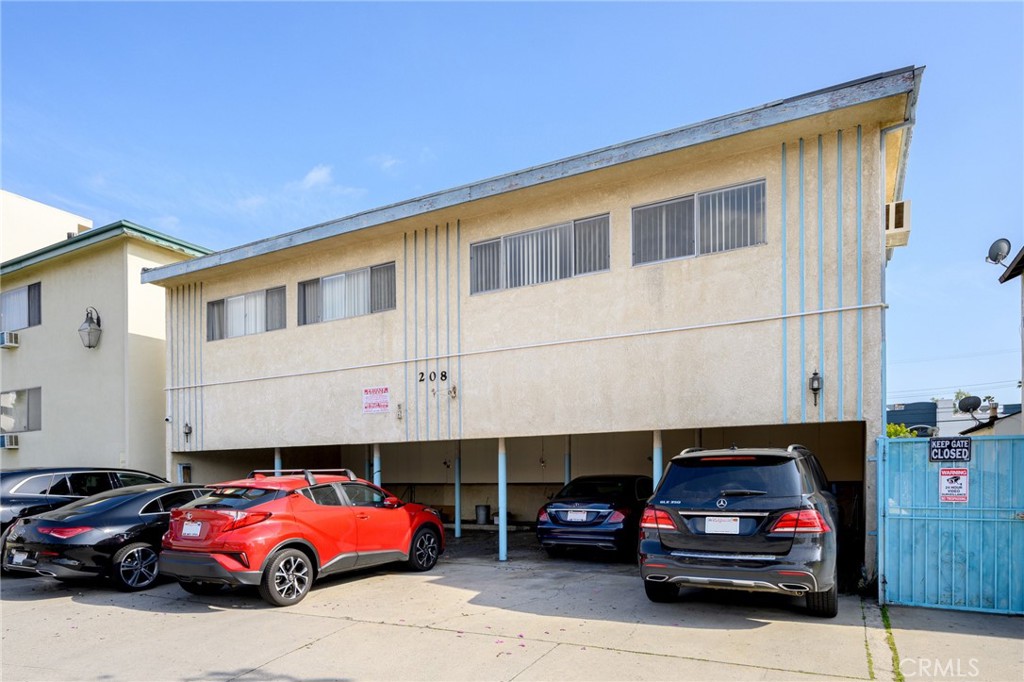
[(567, 458), (502, 501), (376, 464), (458, 490), (656, 463), (277, 461)]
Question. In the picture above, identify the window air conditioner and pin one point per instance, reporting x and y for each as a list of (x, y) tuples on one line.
[(8, 441), (897, 224), (8, 339)]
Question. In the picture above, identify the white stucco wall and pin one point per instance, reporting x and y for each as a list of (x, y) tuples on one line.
[(28, 225)]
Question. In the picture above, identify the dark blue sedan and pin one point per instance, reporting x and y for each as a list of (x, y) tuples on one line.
[(601, 512)]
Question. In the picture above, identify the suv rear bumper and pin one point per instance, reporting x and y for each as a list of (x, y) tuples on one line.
[(799, 572), (189, 566)]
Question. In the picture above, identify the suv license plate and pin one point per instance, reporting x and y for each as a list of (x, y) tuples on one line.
[(575, 516), (722, 525), (190, 529)]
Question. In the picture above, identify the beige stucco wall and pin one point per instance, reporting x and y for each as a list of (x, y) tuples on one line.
[(689, 343), (28, 225)]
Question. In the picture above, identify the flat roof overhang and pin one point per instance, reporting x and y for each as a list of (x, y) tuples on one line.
[(902, 82)]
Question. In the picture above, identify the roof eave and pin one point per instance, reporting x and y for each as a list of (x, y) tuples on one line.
[(900, 82)]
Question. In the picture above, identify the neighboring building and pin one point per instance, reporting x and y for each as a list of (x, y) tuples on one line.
[(29, 225), (920, 417), (64, 403), (478, 345), (951, 421)]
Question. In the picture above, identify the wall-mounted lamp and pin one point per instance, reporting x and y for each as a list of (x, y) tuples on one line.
[(90, 330), (814, 384), (187, 431)]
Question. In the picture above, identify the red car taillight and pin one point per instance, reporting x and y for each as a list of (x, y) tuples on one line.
[(64, 533), (243, 519), (657, 519), (802, 521), (542, 515), (618, 516)]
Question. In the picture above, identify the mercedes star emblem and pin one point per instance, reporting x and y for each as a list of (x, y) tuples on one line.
[(722, 503)]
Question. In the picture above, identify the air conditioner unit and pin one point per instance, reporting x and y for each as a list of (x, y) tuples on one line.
[(9, 339), (897, 224), (8, 441)]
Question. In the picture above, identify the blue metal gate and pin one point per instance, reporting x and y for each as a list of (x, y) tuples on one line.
[(952, 555)]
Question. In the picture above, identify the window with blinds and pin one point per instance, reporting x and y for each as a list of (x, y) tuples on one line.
[(542, 255), (251, 313), (347, 294), (21, 308), (699, 224)]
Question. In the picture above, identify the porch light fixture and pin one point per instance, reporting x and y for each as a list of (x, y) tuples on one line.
[(187, 431), (90, 330), (814, 384)]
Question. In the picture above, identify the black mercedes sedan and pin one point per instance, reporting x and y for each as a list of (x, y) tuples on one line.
[(601, 512), (115, 534)]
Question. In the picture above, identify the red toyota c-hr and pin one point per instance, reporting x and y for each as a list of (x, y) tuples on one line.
[(281, 533)]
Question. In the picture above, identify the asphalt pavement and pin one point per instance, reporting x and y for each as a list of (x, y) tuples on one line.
[(475, 618)]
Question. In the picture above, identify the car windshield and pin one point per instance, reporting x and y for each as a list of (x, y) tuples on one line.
[(594, 487), (698, 479), (233, 498)]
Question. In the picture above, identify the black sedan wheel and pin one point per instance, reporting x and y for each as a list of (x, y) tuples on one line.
[(424, 550), (287, 579), (135, 567)]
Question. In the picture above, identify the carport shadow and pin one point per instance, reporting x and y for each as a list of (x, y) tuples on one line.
[(594, 585)]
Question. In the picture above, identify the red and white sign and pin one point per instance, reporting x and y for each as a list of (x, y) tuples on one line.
[(953, 485), (376, 399)]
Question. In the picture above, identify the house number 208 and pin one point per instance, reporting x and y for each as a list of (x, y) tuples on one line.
[(433, 376)]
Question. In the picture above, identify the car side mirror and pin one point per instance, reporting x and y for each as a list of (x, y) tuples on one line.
[(392, 502)]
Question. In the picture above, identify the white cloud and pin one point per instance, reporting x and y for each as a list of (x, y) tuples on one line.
[(386, 162), (319, 176), (251, 202)]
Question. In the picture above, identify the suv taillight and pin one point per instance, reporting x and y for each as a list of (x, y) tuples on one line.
[(657, 519), (802, 521), (243, 519)]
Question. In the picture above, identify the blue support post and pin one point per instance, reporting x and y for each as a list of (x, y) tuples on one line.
[(376, 464), (458, 491), (277, 461), (502, 501), (656, 463), (568, 459)]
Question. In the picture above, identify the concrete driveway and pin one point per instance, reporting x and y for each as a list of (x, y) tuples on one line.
[(471, 618)]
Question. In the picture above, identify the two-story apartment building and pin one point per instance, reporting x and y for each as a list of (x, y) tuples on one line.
[(479, 345), (63, 402)]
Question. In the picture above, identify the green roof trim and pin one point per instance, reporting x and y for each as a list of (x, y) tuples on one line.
[(122, 228)]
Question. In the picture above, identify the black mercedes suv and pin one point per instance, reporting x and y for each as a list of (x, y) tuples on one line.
[(757, 519)]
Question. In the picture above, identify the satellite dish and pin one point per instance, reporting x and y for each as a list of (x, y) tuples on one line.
[(999, 250), (969, 404)]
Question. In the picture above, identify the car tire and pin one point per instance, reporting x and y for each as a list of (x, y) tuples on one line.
[(424, 550), (135, 567), (200, 588), (824, 604), (661, 593), (287, 578)]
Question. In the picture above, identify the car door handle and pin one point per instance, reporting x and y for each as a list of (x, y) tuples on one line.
[(362, 517)]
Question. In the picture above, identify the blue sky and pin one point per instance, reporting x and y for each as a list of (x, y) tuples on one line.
[(223, 123)]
